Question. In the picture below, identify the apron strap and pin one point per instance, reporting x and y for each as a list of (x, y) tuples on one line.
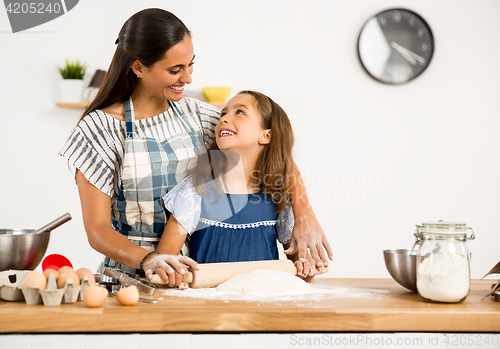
[(185, 121), (176, 108), (129, 118)]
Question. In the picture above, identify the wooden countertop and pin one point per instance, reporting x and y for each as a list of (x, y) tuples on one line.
[(380, 305)]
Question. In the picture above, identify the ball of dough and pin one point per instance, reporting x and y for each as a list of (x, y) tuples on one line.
[(269, 281)]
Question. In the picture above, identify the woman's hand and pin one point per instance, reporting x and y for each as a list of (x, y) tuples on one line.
[(308, 234), (171, 269)]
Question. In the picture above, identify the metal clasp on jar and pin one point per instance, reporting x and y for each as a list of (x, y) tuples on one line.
[(418, 240), (472, 236)]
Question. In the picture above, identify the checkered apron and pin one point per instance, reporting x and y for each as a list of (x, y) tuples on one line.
[(150, 169)]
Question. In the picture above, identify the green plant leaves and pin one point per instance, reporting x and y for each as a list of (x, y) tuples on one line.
[(73, 70)]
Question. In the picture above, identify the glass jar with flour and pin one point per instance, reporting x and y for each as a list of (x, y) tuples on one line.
[(443, 261)]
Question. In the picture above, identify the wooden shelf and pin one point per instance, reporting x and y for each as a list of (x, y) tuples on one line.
[(72, 105)]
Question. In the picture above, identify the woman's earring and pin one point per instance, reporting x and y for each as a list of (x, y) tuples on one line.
[(139, 75)]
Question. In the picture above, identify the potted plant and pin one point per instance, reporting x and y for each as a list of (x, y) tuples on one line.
[(71, 85)]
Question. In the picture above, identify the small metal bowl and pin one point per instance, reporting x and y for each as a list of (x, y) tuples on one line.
[(22, 250), (402, 265)]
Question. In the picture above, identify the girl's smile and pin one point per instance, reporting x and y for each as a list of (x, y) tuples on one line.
[(240, 127), (225, 132)]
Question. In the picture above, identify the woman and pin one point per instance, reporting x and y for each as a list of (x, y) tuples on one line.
[(135, 142)]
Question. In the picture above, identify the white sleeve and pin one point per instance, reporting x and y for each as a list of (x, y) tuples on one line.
[(185, 204)]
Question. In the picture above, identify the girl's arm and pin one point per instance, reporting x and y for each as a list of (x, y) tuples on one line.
[(171, 243), (173, 237), (307, 232), (304, 269), (96, 208)]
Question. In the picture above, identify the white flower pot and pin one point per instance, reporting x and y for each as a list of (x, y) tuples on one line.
[(71, 90)]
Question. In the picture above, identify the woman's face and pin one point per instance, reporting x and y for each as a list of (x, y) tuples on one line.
[(167, 77), (240, 126)]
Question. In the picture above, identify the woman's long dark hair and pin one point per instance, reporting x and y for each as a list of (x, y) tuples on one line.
[(274, 167), (146, 36)]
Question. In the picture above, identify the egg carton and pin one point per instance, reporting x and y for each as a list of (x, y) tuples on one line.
[(50, 296), (11, 283)]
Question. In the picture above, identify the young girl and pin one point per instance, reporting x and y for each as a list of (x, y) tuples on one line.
[(236, 202)]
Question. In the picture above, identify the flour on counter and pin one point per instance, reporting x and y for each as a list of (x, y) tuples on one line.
[(307, 295)]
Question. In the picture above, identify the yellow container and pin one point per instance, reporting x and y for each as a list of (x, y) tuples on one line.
[(216, 94)]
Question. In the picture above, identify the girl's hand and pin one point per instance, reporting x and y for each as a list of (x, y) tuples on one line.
[(305, 270), (171, 269), (308, 234)]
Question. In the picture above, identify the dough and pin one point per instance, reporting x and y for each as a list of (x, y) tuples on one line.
[(269, 281)]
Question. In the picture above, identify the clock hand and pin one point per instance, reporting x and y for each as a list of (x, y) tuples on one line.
[(403, 53), (416, 58)]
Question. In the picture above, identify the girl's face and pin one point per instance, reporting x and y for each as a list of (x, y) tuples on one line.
[(166, 78), (240, 127)]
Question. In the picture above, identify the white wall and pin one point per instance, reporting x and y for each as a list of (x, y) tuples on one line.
[(378, 159)]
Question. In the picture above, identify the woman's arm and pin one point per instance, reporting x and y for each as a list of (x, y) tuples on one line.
[(307, 232), (96, 212)]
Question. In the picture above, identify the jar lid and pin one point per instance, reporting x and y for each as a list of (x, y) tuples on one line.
[(441, 227)]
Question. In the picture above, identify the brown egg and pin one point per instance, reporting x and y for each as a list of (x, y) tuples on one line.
[(65, 269), (35, 279), (68, 275), (85, 272), (94, 296), (47, 272), (128, 296)]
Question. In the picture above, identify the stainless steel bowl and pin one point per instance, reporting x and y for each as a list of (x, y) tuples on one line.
[(402, 265), (21, 250)]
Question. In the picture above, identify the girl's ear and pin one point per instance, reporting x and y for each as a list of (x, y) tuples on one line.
[(265, 138), (138, 68)]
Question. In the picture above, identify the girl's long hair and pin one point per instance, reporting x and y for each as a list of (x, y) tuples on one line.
[(146, 36), (274, 168)]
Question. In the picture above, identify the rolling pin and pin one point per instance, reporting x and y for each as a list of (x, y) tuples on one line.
[(214, 274)]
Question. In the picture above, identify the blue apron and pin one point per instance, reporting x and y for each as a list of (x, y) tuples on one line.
[(150, 169)]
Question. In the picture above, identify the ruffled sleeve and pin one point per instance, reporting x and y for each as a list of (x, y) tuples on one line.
[(285, 223), (185, 204)]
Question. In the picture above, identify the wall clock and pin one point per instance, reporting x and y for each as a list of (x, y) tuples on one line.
[(395, 46)]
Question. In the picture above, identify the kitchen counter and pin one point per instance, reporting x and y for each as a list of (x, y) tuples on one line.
[(361, 305)]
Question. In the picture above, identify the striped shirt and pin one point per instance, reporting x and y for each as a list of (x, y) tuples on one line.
[(96, 146)]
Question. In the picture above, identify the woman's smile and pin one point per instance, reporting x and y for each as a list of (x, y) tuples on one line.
[(176, 88)]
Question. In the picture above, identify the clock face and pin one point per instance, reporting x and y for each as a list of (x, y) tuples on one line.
[(395, 46)]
